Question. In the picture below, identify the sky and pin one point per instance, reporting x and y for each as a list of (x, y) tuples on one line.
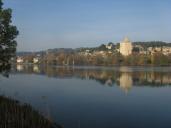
[(45, 24)]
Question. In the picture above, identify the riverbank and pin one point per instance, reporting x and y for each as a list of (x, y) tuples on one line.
[(13, 114)]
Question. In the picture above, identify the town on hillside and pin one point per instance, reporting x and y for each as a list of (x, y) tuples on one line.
[(123, 53)]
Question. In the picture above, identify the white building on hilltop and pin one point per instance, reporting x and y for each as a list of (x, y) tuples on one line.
[(126, 47)]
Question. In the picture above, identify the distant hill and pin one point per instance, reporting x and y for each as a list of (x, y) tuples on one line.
[(55, 50), (59, 50), (152, 44)]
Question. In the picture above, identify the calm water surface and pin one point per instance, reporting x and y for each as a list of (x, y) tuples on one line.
[(94, 97)]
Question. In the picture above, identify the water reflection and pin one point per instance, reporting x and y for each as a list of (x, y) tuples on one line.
[(94, 97), (20, 67), (125, 81), (14, 114), (124, 77)]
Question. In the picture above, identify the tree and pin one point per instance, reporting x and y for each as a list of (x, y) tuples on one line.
[(159, 59), (102, 47), (8, 34), (8, 44)]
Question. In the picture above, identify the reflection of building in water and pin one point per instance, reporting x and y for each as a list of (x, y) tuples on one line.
[(125, 81), (166, 79), (20, 67), (123, 76), (109, 82), (36, 69), (125, 69), (159, 78)]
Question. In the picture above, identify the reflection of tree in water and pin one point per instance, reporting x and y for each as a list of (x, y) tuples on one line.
[(110, 77)]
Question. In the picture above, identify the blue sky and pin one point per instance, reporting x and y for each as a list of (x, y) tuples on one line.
[(45, 24)]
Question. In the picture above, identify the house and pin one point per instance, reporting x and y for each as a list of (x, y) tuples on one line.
[(153, 50), (20, 60), (36, 60), (109, 46), (166, 50)]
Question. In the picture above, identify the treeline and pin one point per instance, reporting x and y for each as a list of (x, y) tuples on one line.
[(157, 59), (108, 57)]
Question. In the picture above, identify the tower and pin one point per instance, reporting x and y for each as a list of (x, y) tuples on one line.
[(126, 47)]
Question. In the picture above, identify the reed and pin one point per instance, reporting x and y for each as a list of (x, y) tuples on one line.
[(13, 114)]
